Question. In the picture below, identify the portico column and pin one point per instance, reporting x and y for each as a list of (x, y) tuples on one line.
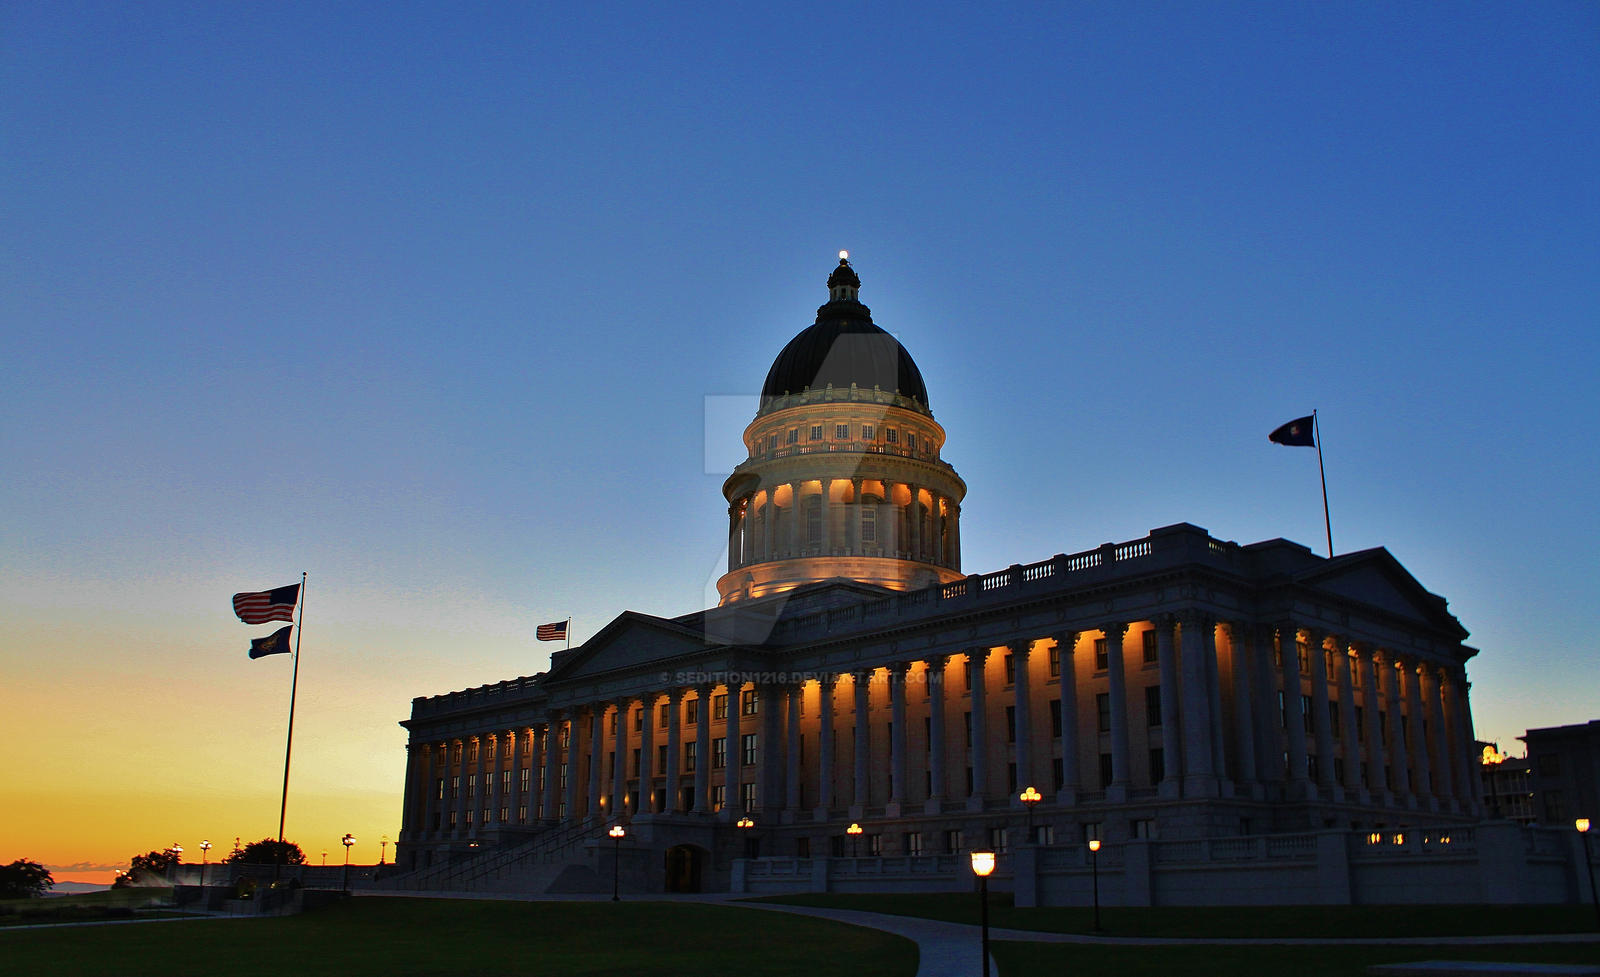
[(824, 746), (791, 739), (769, 730), (1199, 776), (1372, 707), (976, 657), (619, 765), (519, 798), (795, 529), (769, 520), (1066, 652), (1321, 718), (645, 803), (481, 798), (1419, 734), (889, 522), (1441, 739), (674, 750), (1117, 675), (1242, 648), (574, 781), (460, 800), (1464, 744), (862, 692), (853, 518), (1294, 709), (597, 758), (1270, 743), (702, 750), (897, 739), (430, 790), (1401, 778), (1219, 755), (913, 523), (1023, 732), (825, 509), (933, 670), (733, 770), (1474, 784), (1343, 662), (552, 772), (497, 797)]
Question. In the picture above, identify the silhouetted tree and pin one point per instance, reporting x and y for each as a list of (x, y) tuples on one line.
[(149, 869), (265, 852), (23, 879)]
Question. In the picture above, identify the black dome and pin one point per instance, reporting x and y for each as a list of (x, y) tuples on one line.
[(844, 347)]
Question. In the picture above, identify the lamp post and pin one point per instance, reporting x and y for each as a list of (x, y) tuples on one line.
[(1582, 824), (347, 841), (1094, 866), (176, 851), (382, 847), (205, 849), (324, 858), (854, 831), (982, 865), (616, 834), (744, 825), (1029, 798)]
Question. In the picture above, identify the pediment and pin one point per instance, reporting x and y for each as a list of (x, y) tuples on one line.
[(630, 641), (1375, 578)]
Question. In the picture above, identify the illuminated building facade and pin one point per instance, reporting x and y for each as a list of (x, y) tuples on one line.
[(1175, 686)]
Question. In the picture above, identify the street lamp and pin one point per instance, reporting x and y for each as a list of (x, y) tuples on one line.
[(744, 824), (176, 851), (1582, 824), (205, 849), (854, 831), (1094, 865), (982, 865), (616, 834), (324, 858), (382, 846), (1029, 798), (347, 841)]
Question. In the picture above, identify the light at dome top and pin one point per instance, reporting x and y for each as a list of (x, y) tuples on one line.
[(844, 256)]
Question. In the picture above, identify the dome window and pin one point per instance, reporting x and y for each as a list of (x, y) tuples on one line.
[(841, 431)]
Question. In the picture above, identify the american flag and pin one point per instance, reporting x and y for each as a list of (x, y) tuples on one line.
[(552, 632), (267, 605)]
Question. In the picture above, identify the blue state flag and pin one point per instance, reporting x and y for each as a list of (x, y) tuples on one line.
[(276, 643)]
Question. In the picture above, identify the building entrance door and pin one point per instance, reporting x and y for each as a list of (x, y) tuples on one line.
[(684, 864)]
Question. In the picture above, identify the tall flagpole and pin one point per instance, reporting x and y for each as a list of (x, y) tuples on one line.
[(288, 749), (1316, 428), (569, 634)]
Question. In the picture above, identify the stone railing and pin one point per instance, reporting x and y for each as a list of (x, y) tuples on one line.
[(483, 695)]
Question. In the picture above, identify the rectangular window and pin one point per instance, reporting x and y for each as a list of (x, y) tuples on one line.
[(867, 432), (841, 431), (719, 706), (1361, 725), (1383, 728), (1158, 766), (966, 723), (1303, 653), (613, 723), (967, 671), (1092, 830), (999, 839), (1152, 654), (1102, 655), (891, 435), (440, 795), (1152, 705), (1283, 711), (638, 720), (816, 432), (794, 435), (1011, 668), (1327, 662), (1355, 675), (472, 785), (954, 841), (691, 711), (1058, 772), (1011, 724), (802, 847), (747, 796), (912, 842), (719, 797), (1055, 719), (562, 777), (1044, 834), (634, 762), (719, 753), (1333, 718), (522, 813), (666, 714), (526, 776), (874, 844), (748, 703), (1105, 770), (661, 761), (688, 756), (1306, 712), (747, 749), (1338, 769), (1055, 661), (505, 779), (1102, 708), (505, 814), (1144, 828)]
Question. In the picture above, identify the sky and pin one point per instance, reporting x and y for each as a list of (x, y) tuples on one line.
[(459, 309)]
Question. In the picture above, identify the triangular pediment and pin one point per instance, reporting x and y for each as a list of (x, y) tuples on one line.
[(631, 640), (1375, 578)]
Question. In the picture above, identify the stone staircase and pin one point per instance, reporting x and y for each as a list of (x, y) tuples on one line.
[(554, 861)]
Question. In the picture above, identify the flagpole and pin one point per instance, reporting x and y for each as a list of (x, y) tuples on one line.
[(288, 749), (1316, 428), (569, 634)]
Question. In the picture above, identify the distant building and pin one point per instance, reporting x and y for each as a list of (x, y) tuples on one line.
[(1507, 785), (1565, 767), (1171, 687)]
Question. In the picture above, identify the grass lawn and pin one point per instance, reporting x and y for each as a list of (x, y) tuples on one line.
[(1223, 921), (1225, 961), (463, 938)]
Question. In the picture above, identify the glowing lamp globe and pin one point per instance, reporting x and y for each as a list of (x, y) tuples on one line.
[(982, 863)]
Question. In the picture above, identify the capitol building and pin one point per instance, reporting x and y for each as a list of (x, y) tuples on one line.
[(859, 712)]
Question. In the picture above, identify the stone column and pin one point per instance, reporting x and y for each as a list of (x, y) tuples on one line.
[(1023, 732), (1067, 645), (1116, 673), (853, 518), (914, 523), (791, 739), (1294, 710), (1270, 746), (1441, 739), (861, 797), (796, 530), (1473, 783), (1321, 719), (1343, 662), (702, 750), (769, 544), (824, 747), (552, 768), (825, 508), (1419, 735), (574, 781), (1377, 765), (619, 769), (410, 810), (1199, 773), (430, 790), (1219, 756), (976, 657), (674, 750), (733, 773), (897, 741), (519, 798), (1242, 648), (934, 672), (645, 802), (889, 522), (480, 801), (597, 759), (1397, 742), (460, 800), (733, 536), (492, 793)]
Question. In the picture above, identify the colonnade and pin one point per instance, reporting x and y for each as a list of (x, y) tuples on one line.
[(854, 516), (1218, 708)]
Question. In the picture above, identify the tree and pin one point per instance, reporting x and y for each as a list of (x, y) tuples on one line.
[(23, 879), (265, 852), (149, 869)]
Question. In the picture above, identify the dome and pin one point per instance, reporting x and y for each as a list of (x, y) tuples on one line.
[(841, 348)]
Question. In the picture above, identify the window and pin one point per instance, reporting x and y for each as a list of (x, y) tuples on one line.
[(1152, 654), (1044, 834), (816, 432), (472, 785), (874, 843), (661, 761), (490, 750), (666, 715), (634, 762), (967, 673), (1306, 712), (841, 431), (1303, 653), (719, 753), (1011, 668), (1102, 708), (1011, 724), (1011, 778), (912, 842), (1092, 830), (561, 777), (794, 435), (1333, 718), (638, 720), (688, 756), (1355, 676), (1283, 711), (1383, 728), (719, 797), (802, 848), (505, 814), (1105, 770), (719, 706), (911, 441), (747, 796), (1152, 705), (748, 703), (1144, 828), (1338, 769), (472, 757), (966, 723), (867, 432), (1058, 771), (1055, 719), (522, 813), (691, 711), (1158, 766), (440, 794), (505, 779), (954, 841), (869, 523), (747, 749), (525, 777), (1102, 655), (1361, 725), (1055, 661), (613, 723), (1327, 662), (891, 435), (998, 840)]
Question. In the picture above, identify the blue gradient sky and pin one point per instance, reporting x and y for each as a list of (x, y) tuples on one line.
[(430, 301)]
